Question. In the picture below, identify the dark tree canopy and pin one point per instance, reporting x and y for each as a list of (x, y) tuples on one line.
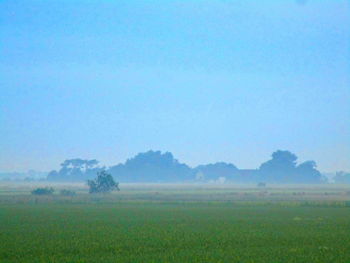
[(104, 183), (152, 166), (282, 168), (307, 172), (281, 160), (285, 156)]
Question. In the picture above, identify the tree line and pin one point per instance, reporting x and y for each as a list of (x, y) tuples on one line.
[(158, 167)]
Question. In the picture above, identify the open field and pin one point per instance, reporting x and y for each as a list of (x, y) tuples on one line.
[(173, 223)]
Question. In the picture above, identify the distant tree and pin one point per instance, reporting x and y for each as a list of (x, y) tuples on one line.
[(103, 183), (342, 178), (152, 166), (75, 170), (53, 175), (307, 173), (281, 160), (43, 191), (280, 169)]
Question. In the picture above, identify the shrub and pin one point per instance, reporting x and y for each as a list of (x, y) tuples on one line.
[(43, 191), (104, 183)]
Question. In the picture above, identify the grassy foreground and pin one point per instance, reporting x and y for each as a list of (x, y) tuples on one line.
[(186, 232)]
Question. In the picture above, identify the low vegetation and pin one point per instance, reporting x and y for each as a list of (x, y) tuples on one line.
[(177, 224), (173, 232), (43, 191)]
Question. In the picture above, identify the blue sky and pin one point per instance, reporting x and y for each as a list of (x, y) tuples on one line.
[(207, 80)]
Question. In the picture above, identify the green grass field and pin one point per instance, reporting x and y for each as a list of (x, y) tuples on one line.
[(188, 225)]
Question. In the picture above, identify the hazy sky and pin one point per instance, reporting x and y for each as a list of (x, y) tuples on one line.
[(207, 80)]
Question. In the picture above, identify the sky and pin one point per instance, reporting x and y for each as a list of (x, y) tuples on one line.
[(208, 81)]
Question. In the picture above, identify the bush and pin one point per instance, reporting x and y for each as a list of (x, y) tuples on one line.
[(66, 192), (103, 183), (43, 191)]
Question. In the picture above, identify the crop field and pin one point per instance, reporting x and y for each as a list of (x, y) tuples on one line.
[(177, 224)]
